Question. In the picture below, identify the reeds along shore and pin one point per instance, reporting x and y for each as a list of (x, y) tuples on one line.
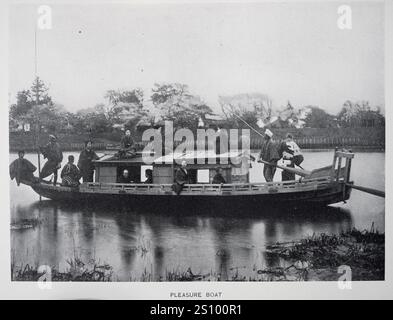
[(315, 258)]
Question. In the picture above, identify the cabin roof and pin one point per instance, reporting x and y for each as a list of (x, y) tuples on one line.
[(191, 157), (197, 155), (113, 159)]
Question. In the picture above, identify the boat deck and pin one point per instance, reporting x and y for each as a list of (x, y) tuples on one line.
[(210, 189)]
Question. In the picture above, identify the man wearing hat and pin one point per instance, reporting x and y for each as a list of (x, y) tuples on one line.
[(54, 155), (269, 153)]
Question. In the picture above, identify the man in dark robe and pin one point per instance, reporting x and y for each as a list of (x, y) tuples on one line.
[(54, 155), (70, 174), (85, 162), (269, 153), (22, 170), (181, 178), (125, 177), (126, 145), (218, 178)]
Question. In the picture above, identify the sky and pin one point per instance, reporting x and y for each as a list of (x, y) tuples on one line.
[(291, 52)]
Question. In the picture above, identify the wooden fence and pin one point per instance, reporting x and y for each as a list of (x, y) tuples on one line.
[(255, 143)]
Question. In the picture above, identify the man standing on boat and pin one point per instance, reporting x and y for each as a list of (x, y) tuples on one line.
[(291, 155), (85, 162), (54, 155), (269, 153), (22, 170)]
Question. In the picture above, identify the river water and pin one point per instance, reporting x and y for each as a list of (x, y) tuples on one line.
[(146, 245)]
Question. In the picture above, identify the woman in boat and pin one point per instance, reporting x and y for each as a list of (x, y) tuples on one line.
[(70, 174), (85, 162), (54, 155), (269, 153), (22, 170), (181, 178)]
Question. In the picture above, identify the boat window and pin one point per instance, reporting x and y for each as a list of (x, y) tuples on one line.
[(134, 174), (143, 172), (203, 176)]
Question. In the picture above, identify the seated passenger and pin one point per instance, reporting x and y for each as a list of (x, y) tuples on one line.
[(127, 147), (125, 177), (70, 174), (149, 176), (181, 178), (218, 178)]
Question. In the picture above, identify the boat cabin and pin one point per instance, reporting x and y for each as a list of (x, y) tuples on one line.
[(201, 167)]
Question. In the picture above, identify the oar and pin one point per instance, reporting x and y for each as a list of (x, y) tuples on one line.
[(299, 172), (375, 192)]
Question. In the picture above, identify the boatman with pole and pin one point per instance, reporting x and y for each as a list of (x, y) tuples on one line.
[(54, 155), (270, 154)]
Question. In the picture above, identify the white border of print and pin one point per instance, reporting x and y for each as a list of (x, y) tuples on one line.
[(230, 290)]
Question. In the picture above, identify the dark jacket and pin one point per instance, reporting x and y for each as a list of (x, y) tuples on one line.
[(22, 170), (181, 176), (126, 142), (269, 151), (70, 175), (123, 179), (85, 162), (218, 179), (52, 152)]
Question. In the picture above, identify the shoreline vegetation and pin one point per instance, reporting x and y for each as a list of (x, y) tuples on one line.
[(35, 115), (314, 258), (307, 138)]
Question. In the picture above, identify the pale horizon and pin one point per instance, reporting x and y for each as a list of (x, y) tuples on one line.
[(290, 52)]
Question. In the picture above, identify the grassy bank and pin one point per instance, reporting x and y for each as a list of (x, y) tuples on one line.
[(319, 257)]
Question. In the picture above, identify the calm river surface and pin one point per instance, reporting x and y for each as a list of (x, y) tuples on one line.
[(140, 243)]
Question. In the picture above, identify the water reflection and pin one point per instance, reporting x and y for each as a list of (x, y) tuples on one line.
[(137, 243)]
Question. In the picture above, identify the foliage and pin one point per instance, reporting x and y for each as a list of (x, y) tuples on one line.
[(360, 114), (318, 118), (253, 108), (174, 102)]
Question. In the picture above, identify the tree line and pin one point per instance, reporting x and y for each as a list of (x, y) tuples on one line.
[(133, 109)]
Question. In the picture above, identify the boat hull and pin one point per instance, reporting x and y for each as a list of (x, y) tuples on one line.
[(333, 193)]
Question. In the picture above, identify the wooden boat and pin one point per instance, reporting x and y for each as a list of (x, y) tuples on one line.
[(319, 187)]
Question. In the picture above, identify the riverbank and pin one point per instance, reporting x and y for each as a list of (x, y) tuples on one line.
[(319, 258), (316, 258)]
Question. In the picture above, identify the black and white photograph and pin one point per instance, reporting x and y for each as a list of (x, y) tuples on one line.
[(199, 142)]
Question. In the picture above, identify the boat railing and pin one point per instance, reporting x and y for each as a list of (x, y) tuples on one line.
[(209, 187)]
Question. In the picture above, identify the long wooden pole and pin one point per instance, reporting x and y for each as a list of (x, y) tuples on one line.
[(38, 127), (375, 192), (299, 172)]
